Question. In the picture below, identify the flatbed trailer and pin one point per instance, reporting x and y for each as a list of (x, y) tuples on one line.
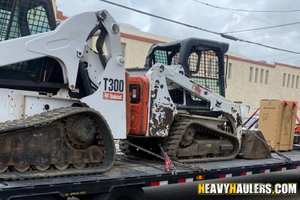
[(128, 176)]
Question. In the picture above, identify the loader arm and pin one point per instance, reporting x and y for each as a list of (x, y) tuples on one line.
[(161, 77), (66, 43), (175, 78)]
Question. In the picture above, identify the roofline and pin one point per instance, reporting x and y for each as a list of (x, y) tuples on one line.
[(286, 65), (60, 15), (143, 39), (251, 61), (261, 63)]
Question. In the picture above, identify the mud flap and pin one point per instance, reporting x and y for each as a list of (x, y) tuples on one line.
[(253, 147)]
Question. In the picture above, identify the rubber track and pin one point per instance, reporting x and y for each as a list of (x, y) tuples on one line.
[(44, 119), (175, 135)]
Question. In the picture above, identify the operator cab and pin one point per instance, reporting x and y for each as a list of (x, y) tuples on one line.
[(20, 18), (202, 61)]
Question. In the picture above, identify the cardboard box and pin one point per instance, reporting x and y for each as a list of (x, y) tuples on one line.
[(277, 123)]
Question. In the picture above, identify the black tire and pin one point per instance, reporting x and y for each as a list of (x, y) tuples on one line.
[(47, 197), (123, 193)]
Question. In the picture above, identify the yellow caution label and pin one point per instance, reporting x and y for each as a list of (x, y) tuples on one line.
[(247, 189), (75, 193)]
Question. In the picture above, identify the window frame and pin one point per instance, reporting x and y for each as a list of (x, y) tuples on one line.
[(261, 76), (250, 74), (266, 77), (229, 70), (256, 75)]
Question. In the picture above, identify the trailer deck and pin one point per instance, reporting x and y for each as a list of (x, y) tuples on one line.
[(148, 173)]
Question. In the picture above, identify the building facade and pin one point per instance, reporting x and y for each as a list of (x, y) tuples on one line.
[(248, 81)]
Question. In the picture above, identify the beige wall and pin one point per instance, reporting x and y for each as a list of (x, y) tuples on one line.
[(135, 52), (286, 92), (239, 88), (251, 92)]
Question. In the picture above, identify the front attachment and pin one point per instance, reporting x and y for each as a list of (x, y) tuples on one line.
[(254, 145)]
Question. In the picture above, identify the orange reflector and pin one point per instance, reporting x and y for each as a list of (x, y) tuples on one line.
[(200, 177)]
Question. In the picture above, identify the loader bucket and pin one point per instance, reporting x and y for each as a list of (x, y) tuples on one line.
[(252, 147)]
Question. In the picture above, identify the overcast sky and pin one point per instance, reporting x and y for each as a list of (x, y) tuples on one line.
[(218, 20)]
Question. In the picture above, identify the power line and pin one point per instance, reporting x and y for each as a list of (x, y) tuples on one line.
[(159, 17), (245, 15), (262, 28), (242, 10), (260, 20), (198, 28)]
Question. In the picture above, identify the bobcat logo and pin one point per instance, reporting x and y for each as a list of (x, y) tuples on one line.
[(197, 89)]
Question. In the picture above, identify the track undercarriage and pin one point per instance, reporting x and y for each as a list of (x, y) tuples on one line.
[(194, 138), (201, 139), (67, 141)]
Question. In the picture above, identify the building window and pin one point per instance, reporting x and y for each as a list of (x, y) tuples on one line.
[(293, 80), (229, 70), (123, 49), (261, 76), (283, 81), (297, 81), (256, 75), (267, 75), (288, 81), (250, 75)]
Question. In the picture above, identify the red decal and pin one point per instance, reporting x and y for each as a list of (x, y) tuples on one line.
[(154, 183), (204, 88), (222, 176), (182, 180), (243, 173), (113, 96)]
